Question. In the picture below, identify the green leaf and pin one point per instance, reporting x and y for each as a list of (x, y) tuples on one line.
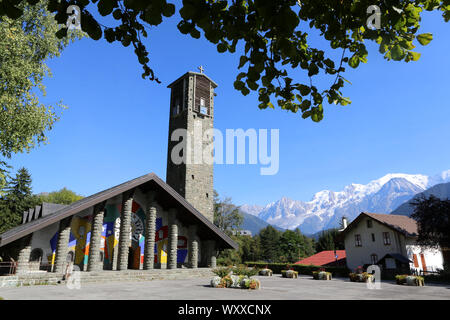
[(221, 47), (105, 7), (354, 61), (424, 38), (304, 90), (242, 61), (313, 69), (169, 10), (397, 53), (414, 55)]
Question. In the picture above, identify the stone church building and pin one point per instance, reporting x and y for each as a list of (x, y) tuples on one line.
[(144, 223)]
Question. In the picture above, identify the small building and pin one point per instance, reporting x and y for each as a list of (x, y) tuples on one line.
[(242, 232), (327, 258), (389, 241)]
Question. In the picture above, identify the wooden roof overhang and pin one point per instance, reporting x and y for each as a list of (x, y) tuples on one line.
[(215, 85)]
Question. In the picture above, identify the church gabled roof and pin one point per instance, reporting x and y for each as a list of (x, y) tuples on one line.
[(165, 196)]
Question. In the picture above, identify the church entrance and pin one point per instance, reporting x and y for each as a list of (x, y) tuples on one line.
[(134, 258)]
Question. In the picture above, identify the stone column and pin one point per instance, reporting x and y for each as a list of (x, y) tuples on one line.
[(150, 230), (173, 240), (62, 246), (211, 254), (94, 263), (192, 247), (23, 259), (125, 232)]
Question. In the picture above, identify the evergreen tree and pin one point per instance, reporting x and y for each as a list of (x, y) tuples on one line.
[(329, 240), (17, 198), (269, 239)]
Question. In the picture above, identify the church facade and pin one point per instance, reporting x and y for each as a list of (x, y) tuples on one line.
[(144, 223)]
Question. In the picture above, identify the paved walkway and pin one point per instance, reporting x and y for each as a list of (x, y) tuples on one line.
[(273, 288)]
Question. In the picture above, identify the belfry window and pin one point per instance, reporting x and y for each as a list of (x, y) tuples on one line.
[(203, 109), (177, 107)]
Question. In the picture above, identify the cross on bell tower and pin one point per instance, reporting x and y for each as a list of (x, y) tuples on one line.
[(192, 108)]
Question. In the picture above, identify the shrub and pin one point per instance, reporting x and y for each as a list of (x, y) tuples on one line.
[(250, 283), (245, 271), (236, 281), (401, 279), (254, 284), (410, 280), (222, 271), (266, 272), (322, 275), (239, 270), (226, 282), (250, 272), (215, 282), (361, 277), (301, 269), (289, 274)]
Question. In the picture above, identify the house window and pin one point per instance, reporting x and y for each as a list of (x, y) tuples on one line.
[(358, 242), (386, 238), (369, 223), (373, 237), (374, 258)]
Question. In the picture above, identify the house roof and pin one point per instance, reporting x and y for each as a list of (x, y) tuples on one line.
[(324, 257), (165, 196), (399, 223)]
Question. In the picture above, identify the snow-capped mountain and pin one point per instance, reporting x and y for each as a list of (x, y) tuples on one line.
[(326, 208)]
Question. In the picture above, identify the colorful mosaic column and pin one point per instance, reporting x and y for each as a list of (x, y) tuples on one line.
[(173, 240), (94, 263), (62, 246), (125, 232), (23, 260), (192, 247), (150, 230)]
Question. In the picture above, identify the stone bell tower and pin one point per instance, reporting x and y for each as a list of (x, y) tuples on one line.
[(192, 109)]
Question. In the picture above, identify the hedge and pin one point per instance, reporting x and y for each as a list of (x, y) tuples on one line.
[(301, 269), (439, 278)]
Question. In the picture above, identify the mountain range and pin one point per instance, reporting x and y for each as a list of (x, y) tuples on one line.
[(326, 208)]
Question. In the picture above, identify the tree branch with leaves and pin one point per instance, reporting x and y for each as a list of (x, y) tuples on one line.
[(274, 34)]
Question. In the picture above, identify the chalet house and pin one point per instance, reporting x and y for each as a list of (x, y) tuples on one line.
[(389, 241)]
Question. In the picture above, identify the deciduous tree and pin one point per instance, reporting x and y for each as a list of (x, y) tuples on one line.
[(27, 41), (433, 218)]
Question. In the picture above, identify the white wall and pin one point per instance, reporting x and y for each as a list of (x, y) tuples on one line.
[(434, 260), (41, 239)]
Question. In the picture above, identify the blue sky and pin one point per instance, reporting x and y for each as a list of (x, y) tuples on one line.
[(116, 126)]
